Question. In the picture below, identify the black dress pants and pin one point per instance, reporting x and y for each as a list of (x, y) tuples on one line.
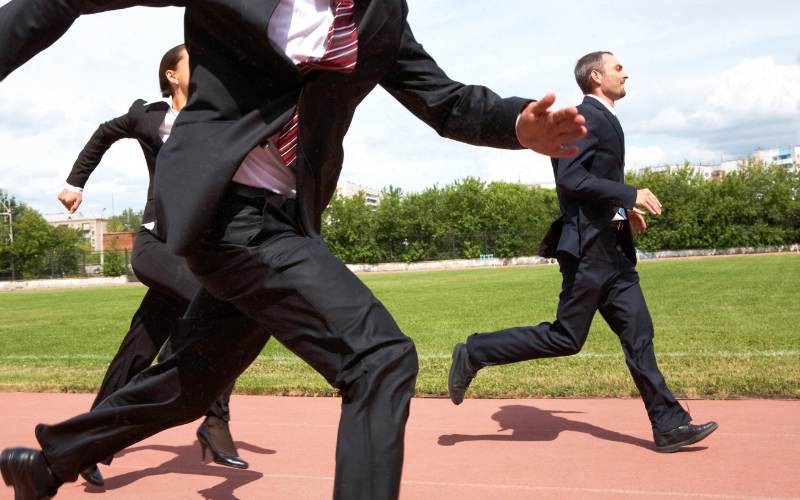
[(256, 259), (603, 279), (171, 286), (201, 363)]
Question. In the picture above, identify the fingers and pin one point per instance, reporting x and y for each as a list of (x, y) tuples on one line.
[(571, 134), (540, 107), (648, 201), (568, 116)]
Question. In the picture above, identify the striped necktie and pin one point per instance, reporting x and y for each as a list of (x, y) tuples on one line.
[(341, 54)]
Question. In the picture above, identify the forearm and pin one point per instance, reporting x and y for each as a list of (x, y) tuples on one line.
[(468, 113)]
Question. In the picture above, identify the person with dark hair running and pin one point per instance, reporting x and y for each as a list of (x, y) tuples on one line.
[(593, 243), (171, 285)]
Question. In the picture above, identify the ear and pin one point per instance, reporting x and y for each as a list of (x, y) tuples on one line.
[(596, 76), (172, 76)]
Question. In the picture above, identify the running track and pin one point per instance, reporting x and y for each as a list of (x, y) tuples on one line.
[(483, 449)]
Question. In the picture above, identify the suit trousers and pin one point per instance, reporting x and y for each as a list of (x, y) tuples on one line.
[(603, 279), (255, 257), (171, 286), (206, 358)]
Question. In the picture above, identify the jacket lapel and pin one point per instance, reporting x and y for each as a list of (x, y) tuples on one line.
[(153, 118), (591, 101)]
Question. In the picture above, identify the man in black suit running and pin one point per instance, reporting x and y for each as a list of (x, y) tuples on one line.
[(593, 243), (241, 187)]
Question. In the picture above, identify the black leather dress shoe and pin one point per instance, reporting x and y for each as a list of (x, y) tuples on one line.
[(92, 475), (461, 374), (27, 472), (213, 433), (684, 435)]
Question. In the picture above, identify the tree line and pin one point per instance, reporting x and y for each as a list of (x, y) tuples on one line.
[(757, 205)]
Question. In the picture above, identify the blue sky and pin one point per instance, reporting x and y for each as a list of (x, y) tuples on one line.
[(710, 80)]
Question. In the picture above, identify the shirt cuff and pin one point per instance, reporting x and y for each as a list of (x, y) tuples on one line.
[(74, 189)]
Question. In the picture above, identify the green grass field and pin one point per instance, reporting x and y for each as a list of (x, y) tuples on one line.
[(725, 327)]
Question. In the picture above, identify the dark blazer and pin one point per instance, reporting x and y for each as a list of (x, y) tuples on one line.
[(591, 186), (244, 89), (141, 122)]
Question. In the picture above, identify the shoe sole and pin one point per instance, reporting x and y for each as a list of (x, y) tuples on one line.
[(696, 439)]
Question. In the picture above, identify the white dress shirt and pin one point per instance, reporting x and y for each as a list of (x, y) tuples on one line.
[(299, 28)]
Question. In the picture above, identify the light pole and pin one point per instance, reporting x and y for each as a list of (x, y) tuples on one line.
[(6, 213)]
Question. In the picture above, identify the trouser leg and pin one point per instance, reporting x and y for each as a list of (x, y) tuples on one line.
[(320, 311), (152, 324), (581, 292), (220, 408), (180, 389), (626, 313)]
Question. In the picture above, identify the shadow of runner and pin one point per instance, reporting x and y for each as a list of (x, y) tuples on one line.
[(187, 461), (528, 423)]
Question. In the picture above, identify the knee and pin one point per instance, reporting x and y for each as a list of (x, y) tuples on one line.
[(572, 343), (396, 364), (408, 360)]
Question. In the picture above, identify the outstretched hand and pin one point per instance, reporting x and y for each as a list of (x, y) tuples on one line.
[(548, 132)]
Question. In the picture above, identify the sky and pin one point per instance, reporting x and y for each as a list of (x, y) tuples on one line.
[(709, 81)]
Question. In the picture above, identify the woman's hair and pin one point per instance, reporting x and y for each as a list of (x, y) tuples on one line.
[(168, 62)]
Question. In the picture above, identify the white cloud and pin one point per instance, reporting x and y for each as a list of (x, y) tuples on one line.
[(758, 88), (644, 156), (753, 90)]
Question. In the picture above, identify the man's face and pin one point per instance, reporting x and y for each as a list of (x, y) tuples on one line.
[(612, 78)]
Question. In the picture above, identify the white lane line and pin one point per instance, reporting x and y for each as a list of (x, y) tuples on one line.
[(436, 357)]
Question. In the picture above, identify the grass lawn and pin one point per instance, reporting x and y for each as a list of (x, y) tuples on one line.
[(725, 327)]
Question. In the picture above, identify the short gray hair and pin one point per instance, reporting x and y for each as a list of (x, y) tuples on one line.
[(585, 66)]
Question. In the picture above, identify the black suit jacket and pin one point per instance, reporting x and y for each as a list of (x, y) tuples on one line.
[(244, 89), (591, 186), (141, 122)]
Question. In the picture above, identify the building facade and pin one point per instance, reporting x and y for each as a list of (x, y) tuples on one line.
[(92, 227)]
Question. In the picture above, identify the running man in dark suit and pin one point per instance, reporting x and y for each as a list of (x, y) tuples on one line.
[(252, 162), (593, 243)]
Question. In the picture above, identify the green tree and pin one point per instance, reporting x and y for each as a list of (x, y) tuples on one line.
[(128, 220), (113, 262)]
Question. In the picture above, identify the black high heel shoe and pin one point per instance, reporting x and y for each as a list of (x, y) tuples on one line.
[(206, 442)]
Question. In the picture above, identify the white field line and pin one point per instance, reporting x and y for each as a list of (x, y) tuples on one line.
[(436, 357)]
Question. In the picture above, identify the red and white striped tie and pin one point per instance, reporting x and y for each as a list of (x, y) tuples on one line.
[(341, 54)]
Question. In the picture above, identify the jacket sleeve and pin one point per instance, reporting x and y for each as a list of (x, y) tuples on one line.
[(106, 134), (28, 27), (574, 179), (466, 113)]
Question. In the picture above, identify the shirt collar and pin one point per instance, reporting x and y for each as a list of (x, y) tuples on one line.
[(604, 103)]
